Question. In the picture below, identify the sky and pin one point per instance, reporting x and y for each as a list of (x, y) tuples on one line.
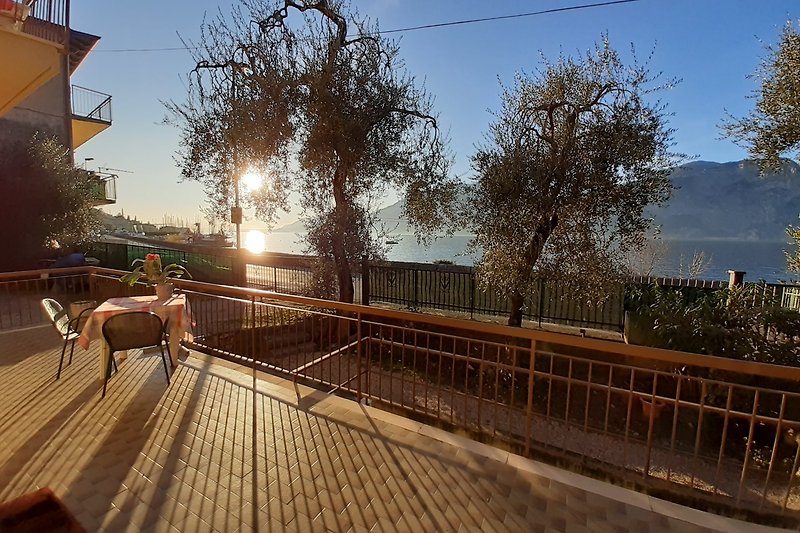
[(710, 45)]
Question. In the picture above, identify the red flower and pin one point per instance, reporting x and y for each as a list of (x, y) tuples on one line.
[(151, 257)]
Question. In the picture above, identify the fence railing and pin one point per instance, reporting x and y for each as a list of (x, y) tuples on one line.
[(716, 429), (416, 286), (94, 105), (48, 19)]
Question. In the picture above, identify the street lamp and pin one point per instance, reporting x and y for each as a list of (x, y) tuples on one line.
[(236, 210)]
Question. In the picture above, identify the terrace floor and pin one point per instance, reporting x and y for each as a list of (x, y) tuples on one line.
[(222, 449)]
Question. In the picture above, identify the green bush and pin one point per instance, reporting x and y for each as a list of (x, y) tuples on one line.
[(741, 322)]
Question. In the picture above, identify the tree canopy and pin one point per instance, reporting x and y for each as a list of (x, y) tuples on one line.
[(772, 129), (310, 95), (574, 156), (44, 199)]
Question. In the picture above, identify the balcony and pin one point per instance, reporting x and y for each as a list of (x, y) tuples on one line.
[(105, 190), (239, 439), (91, 114), (31, 41)]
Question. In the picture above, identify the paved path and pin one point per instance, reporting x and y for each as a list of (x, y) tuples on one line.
[(219, 450)]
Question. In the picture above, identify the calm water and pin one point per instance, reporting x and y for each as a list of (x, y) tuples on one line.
[(760, 260)]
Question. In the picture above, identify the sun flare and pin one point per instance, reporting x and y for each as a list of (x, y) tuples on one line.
[(251, 181), (255, 241)]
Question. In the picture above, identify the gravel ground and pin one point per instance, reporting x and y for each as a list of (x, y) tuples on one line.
[(406, 388)]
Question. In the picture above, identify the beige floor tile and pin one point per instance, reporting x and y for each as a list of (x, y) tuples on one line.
[(190, 457)]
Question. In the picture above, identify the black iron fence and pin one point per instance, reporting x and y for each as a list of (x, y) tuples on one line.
[(455, 288), (415, 286), (206, 267)]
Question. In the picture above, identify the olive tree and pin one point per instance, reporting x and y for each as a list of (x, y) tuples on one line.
[(309, 93), (45, 199), (574, 156), (772, 129)]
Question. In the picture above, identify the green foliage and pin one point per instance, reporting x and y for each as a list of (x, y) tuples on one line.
[(309, 94), (793, 257), (322, 283), (772, 129), (574, 156), (44, 199), (740, 322), (151, 270)]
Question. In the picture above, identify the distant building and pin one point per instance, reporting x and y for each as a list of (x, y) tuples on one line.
[(39, 54)]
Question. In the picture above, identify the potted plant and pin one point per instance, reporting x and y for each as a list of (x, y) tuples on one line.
[(151, 270)]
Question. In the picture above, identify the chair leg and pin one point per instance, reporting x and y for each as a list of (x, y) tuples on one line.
[(61, 361), (108, 372), (71, 349), (114, 361), (164, 360)]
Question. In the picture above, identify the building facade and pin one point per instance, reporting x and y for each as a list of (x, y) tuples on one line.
[(40, 53)]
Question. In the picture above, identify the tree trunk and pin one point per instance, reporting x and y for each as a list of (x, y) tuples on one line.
[(516, 300), (345, 277), (517, 297), (344, 273)]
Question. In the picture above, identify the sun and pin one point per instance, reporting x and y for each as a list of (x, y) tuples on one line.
[(251, 181), (255, 241)]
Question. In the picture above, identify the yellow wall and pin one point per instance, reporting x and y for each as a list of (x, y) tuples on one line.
[(26, 63)]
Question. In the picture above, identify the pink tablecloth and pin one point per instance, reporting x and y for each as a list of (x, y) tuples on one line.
[(175, 309)]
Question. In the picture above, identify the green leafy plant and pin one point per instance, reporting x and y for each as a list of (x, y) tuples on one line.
[(150, 269)]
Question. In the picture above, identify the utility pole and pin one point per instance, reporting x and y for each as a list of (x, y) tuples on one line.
[(236, 210)]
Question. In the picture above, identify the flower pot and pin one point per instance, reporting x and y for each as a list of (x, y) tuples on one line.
[(164, 290), (653, 408), (75, 308)]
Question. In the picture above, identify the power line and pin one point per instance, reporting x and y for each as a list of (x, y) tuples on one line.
[(415, 28), (506, 17)]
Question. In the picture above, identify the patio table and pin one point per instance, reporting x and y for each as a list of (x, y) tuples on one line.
[(175, 309)]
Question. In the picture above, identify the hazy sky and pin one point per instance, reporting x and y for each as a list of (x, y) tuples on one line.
[(712, 45)]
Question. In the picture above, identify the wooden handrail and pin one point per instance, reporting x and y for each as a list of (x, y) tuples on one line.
[(612, 347)]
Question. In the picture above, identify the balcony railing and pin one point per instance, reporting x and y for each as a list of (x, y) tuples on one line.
[(106, 190), (90, 104), (48, 19), (722, 431)]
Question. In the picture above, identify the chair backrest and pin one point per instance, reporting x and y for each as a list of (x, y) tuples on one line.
[(57, 315), (137, 329)]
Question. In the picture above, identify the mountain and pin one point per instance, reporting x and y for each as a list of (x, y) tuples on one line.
[(730, 201)]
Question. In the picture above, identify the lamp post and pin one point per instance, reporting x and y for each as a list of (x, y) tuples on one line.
[(236, 210)]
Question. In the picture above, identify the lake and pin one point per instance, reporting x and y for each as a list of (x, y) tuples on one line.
[(760, 260)]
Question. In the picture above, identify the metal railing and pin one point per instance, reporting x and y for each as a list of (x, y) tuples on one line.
[(90, 104), (455, 288), (420, 286), (110, 188), (714, 429), (21, 294), (48, 19)]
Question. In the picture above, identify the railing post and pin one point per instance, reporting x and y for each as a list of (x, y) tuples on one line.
[(239, 269), (471, 293), (359, 392), (541, 300), (364, 286), (415, 287), (529, 426), (253, 331)]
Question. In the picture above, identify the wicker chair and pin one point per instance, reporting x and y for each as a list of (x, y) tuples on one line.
[(68, 329), (127, 331)]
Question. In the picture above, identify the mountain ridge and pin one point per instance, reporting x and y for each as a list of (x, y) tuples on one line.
[(711, 201)]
